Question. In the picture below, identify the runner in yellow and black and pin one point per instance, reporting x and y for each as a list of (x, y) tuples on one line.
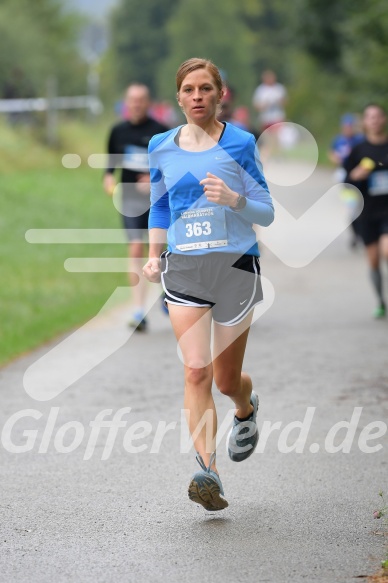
[(367, 168)]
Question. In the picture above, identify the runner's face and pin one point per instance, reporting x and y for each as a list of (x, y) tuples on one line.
[(374, 120), (137, 103), (348, 130), (199, 96)]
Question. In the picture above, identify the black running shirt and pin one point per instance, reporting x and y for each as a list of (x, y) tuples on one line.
[(375, 188), (128, 147)]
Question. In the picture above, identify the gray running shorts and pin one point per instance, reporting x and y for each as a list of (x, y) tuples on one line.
[(229, 283)]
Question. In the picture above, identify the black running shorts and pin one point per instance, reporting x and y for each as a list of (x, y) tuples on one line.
[(135, 212), (136, 228), (371, 229), (228, 283)]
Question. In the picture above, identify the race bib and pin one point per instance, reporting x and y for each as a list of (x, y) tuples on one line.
[(378, 183), (136, 159), (201, 229)]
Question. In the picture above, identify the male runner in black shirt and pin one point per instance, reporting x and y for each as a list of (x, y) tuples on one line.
[(127, 148), (367, 166)]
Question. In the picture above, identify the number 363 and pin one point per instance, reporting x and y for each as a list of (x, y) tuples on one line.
[(198, 229)]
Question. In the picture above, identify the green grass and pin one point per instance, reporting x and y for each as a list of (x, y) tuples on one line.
[(39, 299), (22, 147)]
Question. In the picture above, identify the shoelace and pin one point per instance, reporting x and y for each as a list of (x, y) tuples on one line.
[(202, 463), (208, 470)]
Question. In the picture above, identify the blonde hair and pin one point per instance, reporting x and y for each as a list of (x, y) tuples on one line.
[(192, 65)]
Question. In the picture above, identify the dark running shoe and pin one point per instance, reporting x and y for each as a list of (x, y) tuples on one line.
[(140, 325)]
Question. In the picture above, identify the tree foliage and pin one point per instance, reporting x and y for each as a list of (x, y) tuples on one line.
[(331, 55), (38, 40), (210, 30), (320, 32), (271, 27), (364, 53), (139, 40)]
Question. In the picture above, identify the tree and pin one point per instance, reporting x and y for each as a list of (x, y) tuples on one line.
[(210, 30), (349, 41), (271, 25), (319, 30), (38, 40), (138, 37), (364, 53)]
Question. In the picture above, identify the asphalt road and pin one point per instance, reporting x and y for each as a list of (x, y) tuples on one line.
[(292, 516)]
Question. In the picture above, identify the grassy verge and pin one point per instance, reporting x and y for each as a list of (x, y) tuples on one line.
[(381, 577), (381, 514), (38, 297)]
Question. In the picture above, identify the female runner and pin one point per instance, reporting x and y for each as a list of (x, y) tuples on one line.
[(207, 190)]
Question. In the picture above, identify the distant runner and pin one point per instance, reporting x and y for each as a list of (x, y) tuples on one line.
[(367, 166), (127, 148)]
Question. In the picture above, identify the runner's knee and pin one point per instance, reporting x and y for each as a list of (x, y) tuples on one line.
[(197, 373), (228, 382), (136, 249)]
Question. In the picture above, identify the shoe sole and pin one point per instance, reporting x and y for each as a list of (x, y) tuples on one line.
[(250, 452), (207, 494)]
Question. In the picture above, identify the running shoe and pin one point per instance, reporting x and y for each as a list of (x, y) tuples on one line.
[(140, 324), (205, 487), (239, 446), (379, 312)]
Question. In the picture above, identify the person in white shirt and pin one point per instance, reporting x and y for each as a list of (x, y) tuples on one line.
[(269, 100)]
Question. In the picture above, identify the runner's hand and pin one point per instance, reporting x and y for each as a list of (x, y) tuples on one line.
[(360, 173), (151, 270), (143, 184), (109, 183), (217, 191)]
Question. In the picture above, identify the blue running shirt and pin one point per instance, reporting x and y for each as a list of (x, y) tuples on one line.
[(175, 189)]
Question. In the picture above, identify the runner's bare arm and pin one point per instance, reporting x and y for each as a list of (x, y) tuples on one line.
[(158, 239)]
